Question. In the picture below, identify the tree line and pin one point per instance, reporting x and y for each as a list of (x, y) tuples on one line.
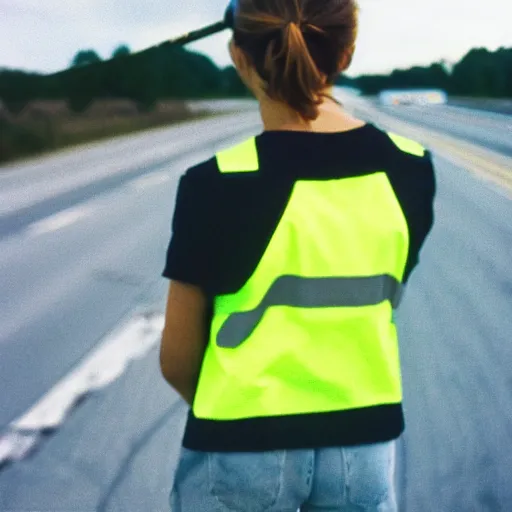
[(160, 73), (173, 72), (480, 73)]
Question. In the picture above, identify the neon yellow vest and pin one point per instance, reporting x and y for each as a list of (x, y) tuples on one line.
[(311, 330)]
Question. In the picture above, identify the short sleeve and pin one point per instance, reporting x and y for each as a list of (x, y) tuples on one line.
[(414, 181), (221, 226), (423, 191), (189, 254)]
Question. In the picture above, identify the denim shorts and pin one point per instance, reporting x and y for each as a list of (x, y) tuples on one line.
[(359, 478)]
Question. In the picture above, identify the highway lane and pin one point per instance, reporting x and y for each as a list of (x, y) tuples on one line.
[(37, 188), (117, 450), (490, 105), (456, 328), (68, 274), (481, 147), (488, 129)]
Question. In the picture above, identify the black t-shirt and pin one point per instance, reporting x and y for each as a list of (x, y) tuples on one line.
[(223, 222), (221, 228)]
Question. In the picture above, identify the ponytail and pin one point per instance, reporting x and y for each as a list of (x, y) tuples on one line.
[(295, 47), (298, 82)]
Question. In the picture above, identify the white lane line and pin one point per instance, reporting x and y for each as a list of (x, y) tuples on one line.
[(59, 220), (103, 365), (68, 217), (151, 180)]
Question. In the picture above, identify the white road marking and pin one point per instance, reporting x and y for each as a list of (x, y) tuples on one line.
[(156, 178), (58, 221), (104, 365)]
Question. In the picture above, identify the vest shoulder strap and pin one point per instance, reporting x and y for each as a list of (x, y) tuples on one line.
[(407, 145), (240, 158)]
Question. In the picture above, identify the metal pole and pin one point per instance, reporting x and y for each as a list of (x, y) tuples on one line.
[(195, 35)]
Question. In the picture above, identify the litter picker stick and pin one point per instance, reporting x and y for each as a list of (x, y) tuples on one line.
[(209, 30), (201, 33), (187, 38)]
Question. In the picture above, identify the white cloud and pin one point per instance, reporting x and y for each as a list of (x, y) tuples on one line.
[(44, 35), (133, 13), (401, 33)]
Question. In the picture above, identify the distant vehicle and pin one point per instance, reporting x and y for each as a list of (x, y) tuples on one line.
[(413, 97)]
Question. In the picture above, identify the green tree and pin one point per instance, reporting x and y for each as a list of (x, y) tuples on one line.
[(84, 58), (345, 81), (232, 85), (483, 73), (121, 51), (168, 72)]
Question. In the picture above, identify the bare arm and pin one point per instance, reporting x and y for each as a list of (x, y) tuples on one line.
[(184, 338)]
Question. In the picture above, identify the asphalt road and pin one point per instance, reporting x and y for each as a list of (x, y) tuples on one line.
[(499, 106), (82, 245), (488, 129)]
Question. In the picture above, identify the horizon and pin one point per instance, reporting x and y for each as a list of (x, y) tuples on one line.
[(59, 31)]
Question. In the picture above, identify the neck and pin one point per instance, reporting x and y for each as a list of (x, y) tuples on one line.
[(277, 116)]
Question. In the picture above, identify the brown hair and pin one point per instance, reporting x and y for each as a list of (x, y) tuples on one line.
[(297, 46)]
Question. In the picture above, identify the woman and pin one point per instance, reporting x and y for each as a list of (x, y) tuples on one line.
[(289, 253)]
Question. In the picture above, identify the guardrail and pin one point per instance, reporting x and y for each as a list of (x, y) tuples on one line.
[(501, 106)]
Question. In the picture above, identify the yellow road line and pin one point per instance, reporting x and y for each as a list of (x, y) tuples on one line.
[(483, 163)]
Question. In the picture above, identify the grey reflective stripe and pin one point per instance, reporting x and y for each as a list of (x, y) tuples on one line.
[(311, 292)]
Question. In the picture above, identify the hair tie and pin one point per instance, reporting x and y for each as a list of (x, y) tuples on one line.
[(304, 25), (314, 28), (292, 22)]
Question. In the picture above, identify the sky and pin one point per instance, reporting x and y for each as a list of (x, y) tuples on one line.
[(44, 35)]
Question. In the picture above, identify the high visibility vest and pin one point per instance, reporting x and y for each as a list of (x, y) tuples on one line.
[(312, 329)]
